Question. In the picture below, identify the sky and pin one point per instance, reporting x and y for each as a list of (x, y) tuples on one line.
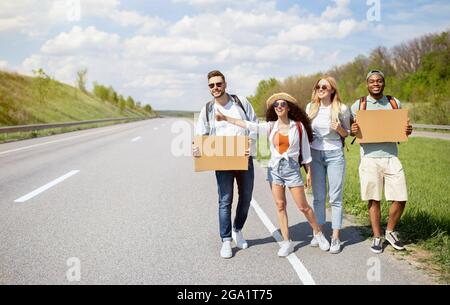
[(160, 51)]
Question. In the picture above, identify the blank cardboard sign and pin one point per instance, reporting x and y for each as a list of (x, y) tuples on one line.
[(221, 153), (379, 126)]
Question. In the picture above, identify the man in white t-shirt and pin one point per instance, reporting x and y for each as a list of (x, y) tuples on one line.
[(231, 106)]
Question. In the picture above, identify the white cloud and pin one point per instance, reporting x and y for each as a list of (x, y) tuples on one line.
[(3, 64), (322, 30), (340, 10), (35, 18), (219, 3), (12, 24), (130, 18), (81, 40)]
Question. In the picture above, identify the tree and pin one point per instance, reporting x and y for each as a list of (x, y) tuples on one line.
[(101, 92), (42, 84), (82, 79), (122, 105), (263, 91), (112, 95), (148, 108), (130, 102)]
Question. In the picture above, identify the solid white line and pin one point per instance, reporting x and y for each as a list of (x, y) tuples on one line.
[(46, 187), (56, 141), (298, 266), (136, 139)]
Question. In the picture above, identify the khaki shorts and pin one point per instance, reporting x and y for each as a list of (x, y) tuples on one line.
[(376, 173)]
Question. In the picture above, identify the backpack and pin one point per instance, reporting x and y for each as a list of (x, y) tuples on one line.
[(300, 133), (363, 106), (210, 104)]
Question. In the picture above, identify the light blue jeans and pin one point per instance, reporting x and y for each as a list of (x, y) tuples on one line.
[(328, 164)]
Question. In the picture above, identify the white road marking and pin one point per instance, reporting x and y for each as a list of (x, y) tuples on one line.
[(136, 139), (47, 186), (56, 141), (298, 266), (156, 128)]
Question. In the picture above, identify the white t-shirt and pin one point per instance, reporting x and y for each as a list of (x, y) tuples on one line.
[(321, 126), (224, 128)]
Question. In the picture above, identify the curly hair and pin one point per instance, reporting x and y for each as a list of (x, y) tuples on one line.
[(296, 114)]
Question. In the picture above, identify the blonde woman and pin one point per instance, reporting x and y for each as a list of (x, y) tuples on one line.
[(285, 122), (330, 124)]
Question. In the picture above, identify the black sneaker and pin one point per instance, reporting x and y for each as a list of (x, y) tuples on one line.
[(392, 238), (377, 245)]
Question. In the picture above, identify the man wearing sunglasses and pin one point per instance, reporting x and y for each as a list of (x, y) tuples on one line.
[(380, 167), (231, 106)]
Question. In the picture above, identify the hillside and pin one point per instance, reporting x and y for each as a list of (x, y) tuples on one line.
[(35, 100)]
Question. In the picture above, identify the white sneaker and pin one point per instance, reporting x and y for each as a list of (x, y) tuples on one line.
[(287, 247), (226, 252), (239, 239), (324, 245), (314, 242), (335, 246)]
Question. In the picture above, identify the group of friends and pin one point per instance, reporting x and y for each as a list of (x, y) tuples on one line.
[(312, 138)]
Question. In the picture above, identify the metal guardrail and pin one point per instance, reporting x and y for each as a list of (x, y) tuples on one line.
[(437, 127), (24, 128)]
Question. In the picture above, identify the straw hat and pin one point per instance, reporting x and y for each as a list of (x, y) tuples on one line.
[(280, 96)]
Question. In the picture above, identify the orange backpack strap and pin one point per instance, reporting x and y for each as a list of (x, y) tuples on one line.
[(392, 101), (362, 106), (363, 103)]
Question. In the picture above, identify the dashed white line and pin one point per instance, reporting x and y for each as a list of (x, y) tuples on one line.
[(298, 266), (46, 187), (136, 139)]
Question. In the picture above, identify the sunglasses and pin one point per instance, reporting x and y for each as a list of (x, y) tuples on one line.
[(323, 87), (280, 104), (212, 85)]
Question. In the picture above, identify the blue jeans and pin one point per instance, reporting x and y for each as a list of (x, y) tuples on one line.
[(225, 186), (331, 164)]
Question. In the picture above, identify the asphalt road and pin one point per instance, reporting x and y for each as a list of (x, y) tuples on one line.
[(118, 207)]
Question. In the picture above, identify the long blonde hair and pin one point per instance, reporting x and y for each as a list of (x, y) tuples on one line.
[(335, 100)]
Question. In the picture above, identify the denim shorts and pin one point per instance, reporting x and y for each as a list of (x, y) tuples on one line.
[(286, 173)]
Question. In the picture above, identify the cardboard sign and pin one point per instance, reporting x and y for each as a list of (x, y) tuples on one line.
[(221, 153), (379, 126)]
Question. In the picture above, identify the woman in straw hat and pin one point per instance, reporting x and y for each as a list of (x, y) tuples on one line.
[(330, 121), (289, 132)]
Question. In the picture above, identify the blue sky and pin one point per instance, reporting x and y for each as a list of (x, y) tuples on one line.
[(159, 51)]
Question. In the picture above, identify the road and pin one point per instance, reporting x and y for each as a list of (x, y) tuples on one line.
[(119, 203), (433, 135)]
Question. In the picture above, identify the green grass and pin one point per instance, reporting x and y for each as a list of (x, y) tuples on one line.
[(426, 221), (21, 103)]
